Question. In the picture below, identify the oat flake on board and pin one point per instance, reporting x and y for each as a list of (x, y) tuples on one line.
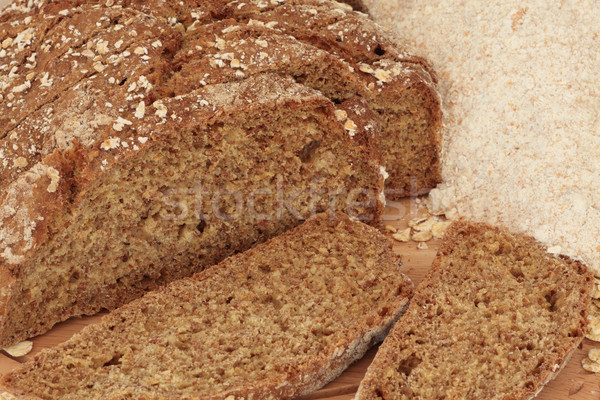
[(520, 82)]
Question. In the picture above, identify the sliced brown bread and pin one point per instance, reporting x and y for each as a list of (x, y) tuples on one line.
[(393, 90), (278, 321), (399, 86), (495, 318), (107, 191), (176, 200), (115, 172)]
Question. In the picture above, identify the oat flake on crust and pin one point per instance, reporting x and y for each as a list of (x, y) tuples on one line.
[(520, 81)]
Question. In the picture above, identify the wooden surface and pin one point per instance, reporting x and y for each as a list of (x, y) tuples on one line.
[(574, 383)]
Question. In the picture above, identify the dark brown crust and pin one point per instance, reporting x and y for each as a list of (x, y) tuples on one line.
[(52, 111), (425, 294)]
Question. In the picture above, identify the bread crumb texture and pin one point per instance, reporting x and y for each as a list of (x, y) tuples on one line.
[(275, 322), (520, 84), (495, 318)]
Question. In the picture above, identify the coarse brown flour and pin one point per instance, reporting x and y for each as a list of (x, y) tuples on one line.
[(520, 81)]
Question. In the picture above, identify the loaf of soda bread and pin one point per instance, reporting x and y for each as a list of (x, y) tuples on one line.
[(143, 141), (495, 318), (399, 86), (275, 322)]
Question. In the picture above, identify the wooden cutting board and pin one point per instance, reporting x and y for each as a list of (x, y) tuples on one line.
[(574, 383)]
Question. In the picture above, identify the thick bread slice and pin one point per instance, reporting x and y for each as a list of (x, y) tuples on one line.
[(229, 50), (278, 321), (496, 317)]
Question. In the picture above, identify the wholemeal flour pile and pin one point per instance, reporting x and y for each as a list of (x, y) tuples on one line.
[(520, 82)]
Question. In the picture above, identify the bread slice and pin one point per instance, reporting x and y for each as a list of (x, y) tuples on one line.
[(496, 318), (386, 86), (278, 321), (410, 112)]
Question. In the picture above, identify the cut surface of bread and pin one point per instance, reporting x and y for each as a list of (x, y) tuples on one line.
[(495, 318), (277, 321)]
